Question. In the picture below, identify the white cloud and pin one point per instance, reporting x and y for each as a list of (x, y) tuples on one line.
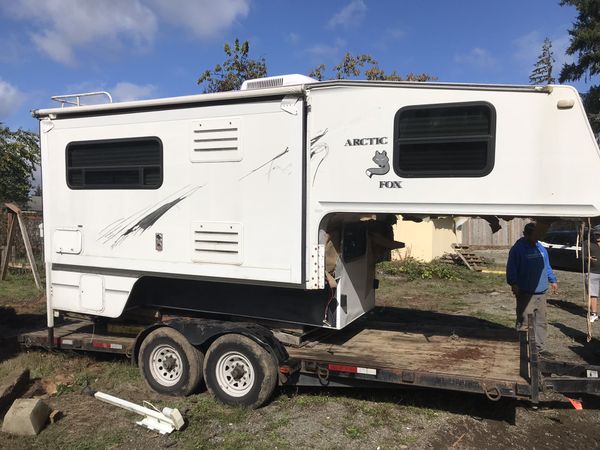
[(64, 29), (478, 57), (394, 33), (13, 50), (10, 98), (559, 47), (326, 53), (529, 46), (389, 37), (64, 26), (125, 91), (202, 18), (351, 14), (292, 38)]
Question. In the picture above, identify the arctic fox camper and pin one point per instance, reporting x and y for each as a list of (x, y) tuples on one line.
[(273, 204)]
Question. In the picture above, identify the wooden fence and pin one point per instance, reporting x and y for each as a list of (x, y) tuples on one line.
[(477, 233)]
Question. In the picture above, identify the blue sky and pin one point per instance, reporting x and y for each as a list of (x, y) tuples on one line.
[(157, 48)]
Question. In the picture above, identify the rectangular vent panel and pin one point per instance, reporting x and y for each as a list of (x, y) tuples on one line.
[(267, 83), (217, 242), (216, 140)]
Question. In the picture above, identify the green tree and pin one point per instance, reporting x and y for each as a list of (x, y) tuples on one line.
[(19, 156), (364, 65), (585, 47), (237, 68), (542, 69)]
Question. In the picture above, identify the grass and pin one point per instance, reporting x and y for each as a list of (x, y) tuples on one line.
[(442, 295), (18, 288)]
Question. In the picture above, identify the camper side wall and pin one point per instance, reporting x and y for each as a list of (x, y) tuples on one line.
[(209, 192)]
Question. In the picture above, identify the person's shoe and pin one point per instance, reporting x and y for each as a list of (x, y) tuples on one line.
[(546, 354), (593, 317)]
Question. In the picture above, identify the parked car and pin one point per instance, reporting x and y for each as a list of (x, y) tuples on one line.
[(563, 250)]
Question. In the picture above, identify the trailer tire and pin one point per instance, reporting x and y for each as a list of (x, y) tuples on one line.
[(239, 372), (183, 374)]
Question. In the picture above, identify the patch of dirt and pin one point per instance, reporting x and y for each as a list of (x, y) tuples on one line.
[(464, 354), (546, 428)]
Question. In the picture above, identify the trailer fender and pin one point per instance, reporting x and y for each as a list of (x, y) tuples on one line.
[(140, 338), (203, 332)]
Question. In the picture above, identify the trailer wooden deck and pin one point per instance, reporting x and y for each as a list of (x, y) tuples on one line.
[(418, 348), (480, 353)]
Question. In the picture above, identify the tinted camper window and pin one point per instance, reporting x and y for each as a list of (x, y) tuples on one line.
[(451, 140), (115, 164)]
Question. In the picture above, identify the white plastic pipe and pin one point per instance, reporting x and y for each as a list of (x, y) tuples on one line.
[(164, 422)]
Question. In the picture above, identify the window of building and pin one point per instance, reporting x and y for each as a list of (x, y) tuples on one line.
[(115, 164), (451, 140)]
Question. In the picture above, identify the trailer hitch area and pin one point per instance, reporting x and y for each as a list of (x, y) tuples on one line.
[(286, 370), (492, 393), (323, 374)]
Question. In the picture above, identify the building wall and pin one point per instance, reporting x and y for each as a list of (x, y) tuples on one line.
[(426, 240)]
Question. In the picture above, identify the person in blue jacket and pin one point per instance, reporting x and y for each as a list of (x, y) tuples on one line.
[(529, 274)]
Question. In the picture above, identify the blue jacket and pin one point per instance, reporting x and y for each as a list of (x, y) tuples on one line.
[(529, 268)]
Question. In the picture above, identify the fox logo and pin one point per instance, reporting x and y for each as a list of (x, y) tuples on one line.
[(382, 160)]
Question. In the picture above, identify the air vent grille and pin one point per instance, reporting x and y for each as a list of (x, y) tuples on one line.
[(265, 83), (216, 140), (217, 242)]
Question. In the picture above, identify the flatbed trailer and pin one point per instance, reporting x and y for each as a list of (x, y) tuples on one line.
[(389, 347)]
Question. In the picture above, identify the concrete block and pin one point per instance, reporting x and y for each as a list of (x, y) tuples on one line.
[(11, 387), (26, 417)]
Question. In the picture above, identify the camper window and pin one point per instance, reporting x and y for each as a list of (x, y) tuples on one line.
[(450, 140), (115, 164)]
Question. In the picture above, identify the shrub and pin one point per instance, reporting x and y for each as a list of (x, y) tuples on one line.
[(414, 269)]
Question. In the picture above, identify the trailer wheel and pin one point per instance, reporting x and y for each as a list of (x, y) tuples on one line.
[(239, 372), (169, 363)]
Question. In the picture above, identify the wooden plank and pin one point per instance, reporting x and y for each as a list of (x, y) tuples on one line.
[(83, 336), (30, 257), (9, 239), (409, 350)]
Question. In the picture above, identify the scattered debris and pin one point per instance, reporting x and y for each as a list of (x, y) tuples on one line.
[(165, 421), (26, 417), (576, 403), (55, 415), (51, 385), (464, 256), (13, 385)]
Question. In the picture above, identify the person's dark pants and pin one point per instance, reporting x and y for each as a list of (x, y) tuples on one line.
[(533, 304)]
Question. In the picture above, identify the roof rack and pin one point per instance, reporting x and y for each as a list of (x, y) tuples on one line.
[(75, 99)]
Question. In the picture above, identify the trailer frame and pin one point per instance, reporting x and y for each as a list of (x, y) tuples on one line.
[(538, 376)]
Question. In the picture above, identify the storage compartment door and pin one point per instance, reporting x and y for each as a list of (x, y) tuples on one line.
[(91, 293)]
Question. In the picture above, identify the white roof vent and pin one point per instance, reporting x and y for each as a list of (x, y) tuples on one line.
[(271, 82)]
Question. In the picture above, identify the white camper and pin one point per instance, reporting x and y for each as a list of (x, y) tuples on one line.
[(228, 203), (273, 204)]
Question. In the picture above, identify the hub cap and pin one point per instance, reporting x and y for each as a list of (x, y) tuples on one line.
[(165, 365), (235, 374)]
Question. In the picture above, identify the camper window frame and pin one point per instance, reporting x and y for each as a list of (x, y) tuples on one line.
[(116, 186), (454, 173)]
